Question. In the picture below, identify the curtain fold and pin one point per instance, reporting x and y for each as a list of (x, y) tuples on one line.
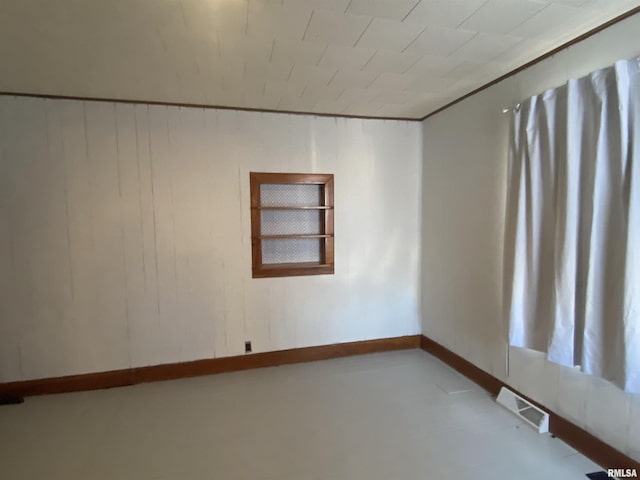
[(572, 239)]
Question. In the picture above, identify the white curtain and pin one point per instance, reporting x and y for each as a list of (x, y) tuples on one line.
[(572, 242)]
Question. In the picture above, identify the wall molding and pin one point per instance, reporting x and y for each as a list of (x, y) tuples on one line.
[(51, 96), (584, 442), (171, 371)]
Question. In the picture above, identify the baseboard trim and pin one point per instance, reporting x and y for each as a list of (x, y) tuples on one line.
[(132, 376), (584, 442)]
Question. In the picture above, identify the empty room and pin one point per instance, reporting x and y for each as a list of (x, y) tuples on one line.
[(319, 239)]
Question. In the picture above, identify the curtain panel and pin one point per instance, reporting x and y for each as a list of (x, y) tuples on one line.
[(572, 240)]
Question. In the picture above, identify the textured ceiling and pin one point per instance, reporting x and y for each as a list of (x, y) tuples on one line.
[(387, 58)]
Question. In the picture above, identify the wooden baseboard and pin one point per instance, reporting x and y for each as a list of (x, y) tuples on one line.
[(590, 446), (132, 376)]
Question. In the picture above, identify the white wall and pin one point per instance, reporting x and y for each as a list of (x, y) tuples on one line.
[(464, 193), (125, 234)]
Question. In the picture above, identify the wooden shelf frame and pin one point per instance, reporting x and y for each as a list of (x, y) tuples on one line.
[(326, 263)]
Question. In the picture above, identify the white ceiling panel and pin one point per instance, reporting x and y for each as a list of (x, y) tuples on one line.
[(443, 13), (393, 35), (269, 20), (385, 61), (336, 28), (329, 93), (550, 19), (287, 51), (431, 84), (440, 41), (401, 58), (351, 78), (358, 95), (434, 65), (502, 16), (470, 69), (330, 5), (393, 96), (346, 57), (233, 47), (486, 46), (393, 81), (573, 3), (280, 89), (268, 71), (311, 75), (224, 15), (393, 10)]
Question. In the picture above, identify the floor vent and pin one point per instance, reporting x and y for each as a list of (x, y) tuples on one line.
[(531, 414)]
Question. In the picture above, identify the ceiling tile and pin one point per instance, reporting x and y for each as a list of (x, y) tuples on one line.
[(431, 84), (336, 28), (391, 62), (523, 52), (440, 41), (278, 89), (434, 65), (548, 20), (470, 69), (501, 16), (269, 20), (358, 95), (328, 93), (443, 13), (268, 71), (233, 46), (250, 53), (351, 78), (307, 53), (393, 81), (345, 57), (311, 75), (330, 5), (394, 10), (389, 35), (393, 96), (486, 46), (573, 3), (228, 16)]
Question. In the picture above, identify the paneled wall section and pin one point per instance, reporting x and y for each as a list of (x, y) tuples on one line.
[(464, 196), (125, 234)]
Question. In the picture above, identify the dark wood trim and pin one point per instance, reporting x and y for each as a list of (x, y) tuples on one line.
[(132, 376), (468, 369), (287, 178), (202, 105), (322, 207), (293, 270), (584, 442), (325, 265), (539, 59)]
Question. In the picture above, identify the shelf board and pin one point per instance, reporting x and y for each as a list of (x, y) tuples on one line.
[(318, 207), (275, 237), (278, 266)]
